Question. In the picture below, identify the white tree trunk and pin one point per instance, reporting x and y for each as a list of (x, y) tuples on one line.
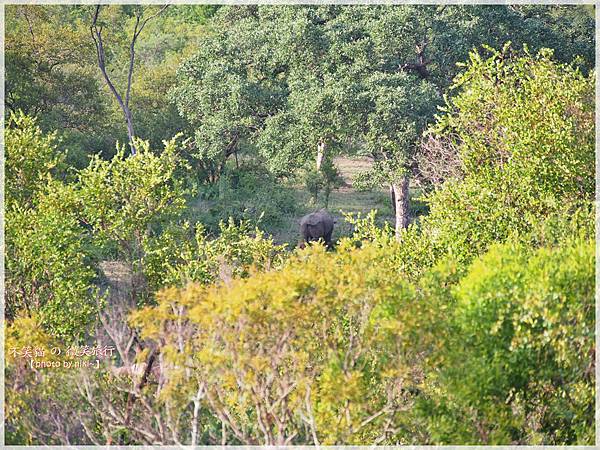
[(320, 153), (196, 401), (130, 132), (401, 204), (123, 103)]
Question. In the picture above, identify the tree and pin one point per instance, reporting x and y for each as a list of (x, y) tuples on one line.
[(52, 72), (310, 82), (398, 114), (96, 30), (50, 76), (215, 93)]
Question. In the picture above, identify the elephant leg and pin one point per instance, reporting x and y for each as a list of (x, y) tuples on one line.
[(328, 239), (315, 232)]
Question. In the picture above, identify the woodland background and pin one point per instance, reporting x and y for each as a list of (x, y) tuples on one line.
[(158, 161)]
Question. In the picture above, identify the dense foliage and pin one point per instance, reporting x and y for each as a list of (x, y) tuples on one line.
[(309, 83), (523, 131), (52, 72), (518, 366), (473, 324)]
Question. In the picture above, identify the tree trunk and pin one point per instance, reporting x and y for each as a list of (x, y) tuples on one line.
[(321, 147), (401, 205), (101, 54), (314, 197), (130, 132), (327, 193), (393, 199)]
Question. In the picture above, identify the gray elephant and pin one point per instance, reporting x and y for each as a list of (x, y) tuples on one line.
[(315, 226)]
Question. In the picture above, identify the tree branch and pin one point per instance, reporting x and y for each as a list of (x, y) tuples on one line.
[(97, 37)]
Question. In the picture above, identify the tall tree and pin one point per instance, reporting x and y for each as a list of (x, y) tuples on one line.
[(309, 81), (96, 31)]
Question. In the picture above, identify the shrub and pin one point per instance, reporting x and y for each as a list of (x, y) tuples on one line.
[(518, 365), (322, 350), (524, 130), (127, 198), (31, 159), (42, 406), (47, 270), (185, 253)]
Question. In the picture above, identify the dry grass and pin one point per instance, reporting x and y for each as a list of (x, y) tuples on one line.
[(343, 200)]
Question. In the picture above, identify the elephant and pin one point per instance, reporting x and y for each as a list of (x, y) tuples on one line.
[(315, 226)]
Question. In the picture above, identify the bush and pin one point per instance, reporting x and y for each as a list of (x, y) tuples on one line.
[(331, 335), (249, 193), (31, 159), (184, 253), (47, 269), (56, 232), (518, 365), (321, 181), (127, 198), (37, 399), (524, 130)]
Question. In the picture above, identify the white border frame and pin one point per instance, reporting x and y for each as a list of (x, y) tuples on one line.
[(299, 2)]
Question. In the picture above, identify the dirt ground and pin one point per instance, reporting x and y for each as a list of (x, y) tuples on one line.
[(345, 199)]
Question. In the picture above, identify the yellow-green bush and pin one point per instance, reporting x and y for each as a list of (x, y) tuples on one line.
[(342, 348), (524, 129), (322, 350), (519, 362)]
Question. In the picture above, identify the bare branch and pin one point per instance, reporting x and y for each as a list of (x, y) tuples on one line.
[(437, 160), (100, 52)]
